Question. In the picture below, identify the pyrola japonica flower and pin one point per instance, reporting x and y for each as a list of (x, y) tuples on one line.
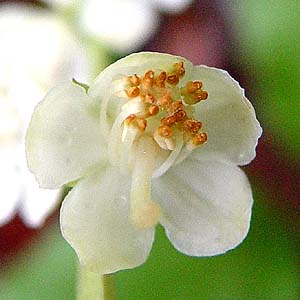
[(153, 139)]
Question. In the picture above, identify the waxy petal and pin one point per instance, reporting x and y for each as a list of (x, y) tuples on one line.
[(228, 118), (63, 139), (133, 64), (206, 206), (95, 221)]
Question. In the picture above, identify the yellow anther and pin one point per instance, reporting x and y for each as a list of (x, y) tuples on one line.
[(175, 106), (132, 91), (192, 126), (180, 115), (134, 80), (168, 121), (199, 138), (148, 98), (165, 131), (160, 80), (201, 95), (173, 79), (141, 124), (148, 79), (129, 119), (153, 110), (164, 100), (179, 69), (192, 86)]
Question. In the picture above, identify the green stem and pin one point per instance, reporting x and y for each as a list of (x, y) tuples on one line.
[(92, 286)]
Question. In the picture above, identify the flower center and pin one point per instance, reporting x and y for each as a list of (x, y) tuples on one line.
[(154, 128)]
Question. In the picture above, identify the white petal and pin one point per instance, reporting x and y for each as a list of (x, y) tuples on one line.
[(95, 221), (227, 116), (206, 206), (63, 139), (134, 64)]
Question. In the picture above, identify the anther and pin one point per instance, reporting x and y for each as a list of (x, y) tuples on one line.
[(165, 131), (192, 86), (201, 95), (148, 98), (199, 138), (134, 80), (168, 121), (176, 105), (164, 100), (129, 119), (179, 69), (180, 115), (141, 124), (132, 92), (192, 126), (148, 79), (173, 79), (160, 80), (153, 110)]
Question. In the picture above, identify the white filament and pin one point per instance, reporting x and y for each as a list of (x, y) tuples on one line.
[(171, 158)]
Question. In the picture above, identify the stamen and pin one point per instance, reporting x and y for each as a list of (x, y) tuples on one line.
[(132, 91), (144, 212), (179, 69), (134, 80), (160, 80), (171, 158), (173, 79), (164, 100), (148, 79), (165, 131), (153, 110)]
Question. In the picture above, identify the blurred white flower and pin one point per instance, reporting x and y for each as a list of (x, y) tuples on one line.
[(123, 25), (36, 50), (135, 144)]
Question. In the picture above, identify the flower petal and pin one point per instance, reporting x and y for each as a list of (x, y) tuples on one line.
[(63, 139), (95, 221), (206, 206), (133, 64), (228, 118)]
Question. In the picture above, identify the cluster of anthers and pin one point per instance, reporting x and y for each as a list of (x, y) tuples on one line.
[(154, 129), (158, 106)]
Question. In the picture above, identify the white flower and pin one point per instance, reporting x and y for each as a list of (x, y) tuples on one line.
[(36, 49), (123, 25), (154, 139)]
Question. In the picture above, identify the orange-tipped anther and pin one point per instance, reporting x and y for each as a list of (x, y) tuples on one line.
[(161, 78), (179, 69), (129, 119), (148, 79), (153, 110), (173, 79), (176, 105), (168, 121), (165, 131), (193, 86), (133, 92), (201, 95), (180, 115), (192, 126), (148, 98), (142, 124), (165, 100), (199, 139), (134, 80)]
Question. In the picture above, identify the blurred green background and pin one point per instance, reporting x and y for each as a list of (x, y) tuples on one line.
[(258, 41)]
